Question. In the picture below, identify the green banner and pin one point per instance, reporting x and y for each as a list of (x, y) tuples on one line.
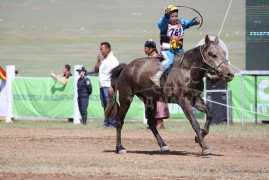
[(44, 97), (177, 113), (249, 99)]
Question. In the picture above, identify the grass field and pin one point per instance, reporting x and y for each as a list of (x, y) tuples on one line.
[(172, 126), (38, 36)]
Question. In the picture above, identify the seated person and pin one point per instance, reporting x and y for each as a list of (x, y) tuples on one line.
[(66, 73)]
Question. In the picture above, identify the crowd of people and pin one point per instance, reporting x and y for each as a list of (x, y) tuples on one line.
[(171, 42)]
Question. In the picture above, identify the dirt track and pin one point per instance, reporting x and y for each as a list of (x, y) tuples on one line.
[(84, 154)]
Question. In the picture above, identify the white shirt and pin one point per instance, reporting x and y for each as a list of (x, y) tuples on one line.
[(104, 70)]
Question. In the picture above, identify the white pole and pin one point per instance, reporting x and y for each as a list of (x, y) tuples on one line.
[(10, 75), (76, 110), (225, 18), (145, 121), (243, 97)]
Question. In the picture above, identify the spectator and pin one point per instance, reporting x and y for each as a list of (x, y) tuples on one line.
[(17, 73), (109, 62), (162, 111), (66, 74), (84, 91), (150, 49)]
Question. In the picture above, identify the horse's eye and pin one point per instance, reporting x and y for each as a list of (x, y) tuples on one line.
[(212, 55)]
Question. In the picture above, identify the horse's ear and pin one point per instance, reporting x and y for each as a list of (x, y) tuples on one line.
[(207, 40), (217, 40)]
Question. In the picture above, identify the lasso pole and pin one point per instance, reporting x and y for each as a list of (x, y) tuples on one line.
[(225, 18), (202, 20)]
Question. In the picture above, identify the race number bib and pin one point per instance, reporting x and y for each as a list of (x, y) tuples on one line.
[(175, 31)]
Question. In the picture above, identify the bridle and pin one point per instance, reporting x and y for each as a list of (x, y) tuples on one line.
[(214, 69)]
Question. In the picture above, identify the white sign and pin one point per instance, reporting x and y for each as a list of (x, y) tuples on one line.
[(262, 86)]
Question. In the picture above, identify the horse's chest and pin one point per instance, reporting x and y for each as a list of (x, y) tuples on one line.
[(191, 87)]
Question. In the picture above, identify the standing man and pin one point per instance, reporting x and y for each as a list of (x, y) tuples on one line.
[(107, 64), (84, 91)]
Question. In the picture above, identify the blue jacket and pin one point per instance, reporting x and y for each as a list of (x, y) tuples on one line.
[(164, 21), (163, 26), (84, 87)]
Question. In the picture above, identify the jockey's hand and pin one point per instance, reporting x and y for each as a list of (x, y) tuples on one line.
[(197, 21), (167, 11)]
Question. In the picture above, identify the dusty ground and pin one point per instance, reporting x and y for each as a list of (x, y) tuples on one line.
[(84, 154)]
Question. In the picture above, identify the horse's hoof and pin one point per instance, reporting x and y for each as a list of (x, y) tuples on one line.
[(165, 148), (206, 152), (123, 151), (196, 139)]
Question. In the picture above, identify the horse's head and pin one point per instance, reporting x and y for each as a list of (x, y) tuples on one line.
[(215, 59)]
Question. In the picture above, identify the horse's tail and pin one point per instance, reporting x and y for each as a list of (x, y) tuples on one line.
[(112, 106)]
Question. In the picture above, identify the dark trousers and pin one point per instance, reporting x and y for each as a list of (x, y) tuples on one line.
[(104, 96), (83, 105)]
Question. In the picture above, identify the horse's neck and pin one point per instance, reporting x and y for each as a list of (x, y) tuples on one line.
[(193, 62)]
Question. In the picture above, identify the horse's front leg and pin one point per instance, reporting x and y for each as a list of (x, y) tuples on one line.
[(201, 106), (185, 104), (151, 111)]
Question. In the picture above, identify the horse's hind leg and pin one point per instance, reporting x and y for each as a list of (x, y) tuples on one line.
[(201, 106), (187, 109), (125, 102), (151, 111)]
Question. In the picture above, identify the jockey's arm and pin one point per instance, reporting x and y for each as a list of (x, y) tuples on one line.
[(163, 22), (187, 24)]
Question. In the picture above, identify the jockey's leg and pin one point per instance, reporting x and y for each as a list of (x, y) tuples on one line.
[(168, 56)]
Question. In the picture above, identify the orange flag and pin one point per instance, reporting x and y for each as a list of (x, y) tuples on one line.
[(3, 74)]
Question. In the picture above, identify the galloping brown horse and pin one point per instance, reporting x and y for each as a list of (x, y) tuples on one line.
[(183, 86)]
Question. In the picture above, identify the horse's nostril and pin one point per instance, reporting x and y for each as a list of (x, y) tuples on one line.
[(230, 75)]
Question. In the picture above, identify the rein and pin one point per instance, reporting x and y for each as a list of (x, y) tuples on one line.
[(214, 70)]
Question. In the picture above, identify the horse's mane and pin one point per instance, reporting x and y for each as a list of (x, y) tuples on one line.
[(191, 51), (115, 72)]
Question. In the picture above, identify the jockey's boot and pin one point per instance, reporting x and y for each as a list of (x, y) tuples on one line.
[(157, 76)]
